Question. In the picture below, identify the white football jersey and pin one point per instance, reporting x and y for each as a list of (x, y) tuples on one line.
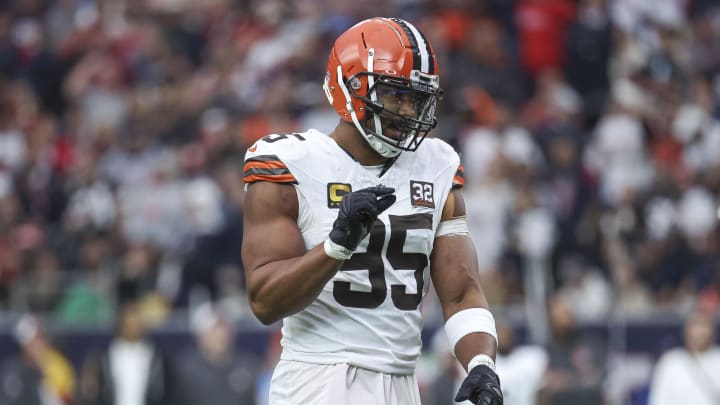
[(368, 315)]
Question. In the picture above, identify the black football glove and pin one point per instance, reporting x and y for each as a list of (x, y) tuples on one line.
[(358, 211), (481, 387)]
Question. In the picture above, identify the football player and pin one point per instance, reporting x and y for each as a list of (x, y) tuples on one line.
[(344, 231)]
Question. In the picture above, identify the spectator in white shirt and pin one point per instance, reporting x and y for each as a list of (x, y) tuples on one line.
[(689, 375), (134, 371), (521, 367)]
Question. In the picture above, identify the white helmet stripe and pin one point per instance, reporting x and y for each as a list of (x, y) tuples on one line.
[(371, 90)]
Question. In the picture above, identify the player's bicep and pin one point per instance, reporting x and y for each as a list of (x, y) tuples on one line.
[(454, 273), (270, 225), (454, 206), (454, 268)]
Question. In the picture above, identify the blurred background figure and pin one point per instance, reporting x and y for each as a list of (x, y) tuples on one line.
[(213, 371), (576, 361), (42, 375), (272, 356), (689, 374), (520, 366), (439, 384), (133, 371)]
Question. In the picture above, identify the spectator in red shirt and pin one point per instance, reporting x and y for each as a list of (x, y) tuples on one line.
[(541, 27)]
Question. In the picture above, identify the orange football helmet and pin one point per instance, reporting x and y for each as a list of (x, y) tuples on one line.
[(394, 54)]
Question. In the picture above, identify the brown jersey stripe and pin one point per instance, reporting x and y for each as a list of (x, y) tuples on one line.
[(270, 164), (266, 171), (267, 168)]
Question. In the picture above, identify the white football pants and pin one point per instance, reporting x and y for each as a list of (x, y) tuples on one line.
[(299, 383)]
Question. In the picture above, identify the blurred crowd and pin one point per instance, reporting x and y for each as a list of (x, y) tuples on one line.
[(589, 131)]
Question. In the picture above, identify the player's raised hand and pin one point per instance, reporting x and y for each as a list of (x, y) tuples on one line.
[(481, 387), (358, 211)]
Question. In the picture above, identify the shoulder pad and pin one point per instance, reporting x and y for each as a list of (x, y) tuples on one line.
[(442, 150), (264, 160)]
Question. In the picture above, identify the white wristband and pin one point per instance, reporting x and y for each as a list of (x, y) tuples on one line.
[(336, 251), (469, 321), (481, 359)]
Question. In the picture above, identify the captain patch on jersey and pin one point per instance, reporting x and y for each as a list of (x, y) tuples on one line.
[(336, 192)]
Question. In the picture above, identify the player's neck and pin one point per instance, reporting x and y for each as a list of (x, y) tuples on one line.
[(352, 142)]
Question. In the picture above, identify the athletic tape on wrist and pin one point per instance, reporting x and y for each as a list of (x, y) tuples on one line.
[(481, 359), (455, 226), (469, 321), (336, 251)]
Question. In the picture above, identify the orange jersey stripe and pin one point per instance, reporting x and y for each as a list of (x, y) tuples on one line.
[(273, 178), (459, 179)]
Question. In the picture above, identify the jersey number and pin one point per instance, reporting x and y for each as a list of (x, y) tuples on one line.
[(372, 261)]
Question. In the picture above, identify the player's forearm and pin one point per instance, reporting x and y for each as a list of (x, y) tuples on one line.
[(284, 287), (471, 307), (468, 322), (473, 344)]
